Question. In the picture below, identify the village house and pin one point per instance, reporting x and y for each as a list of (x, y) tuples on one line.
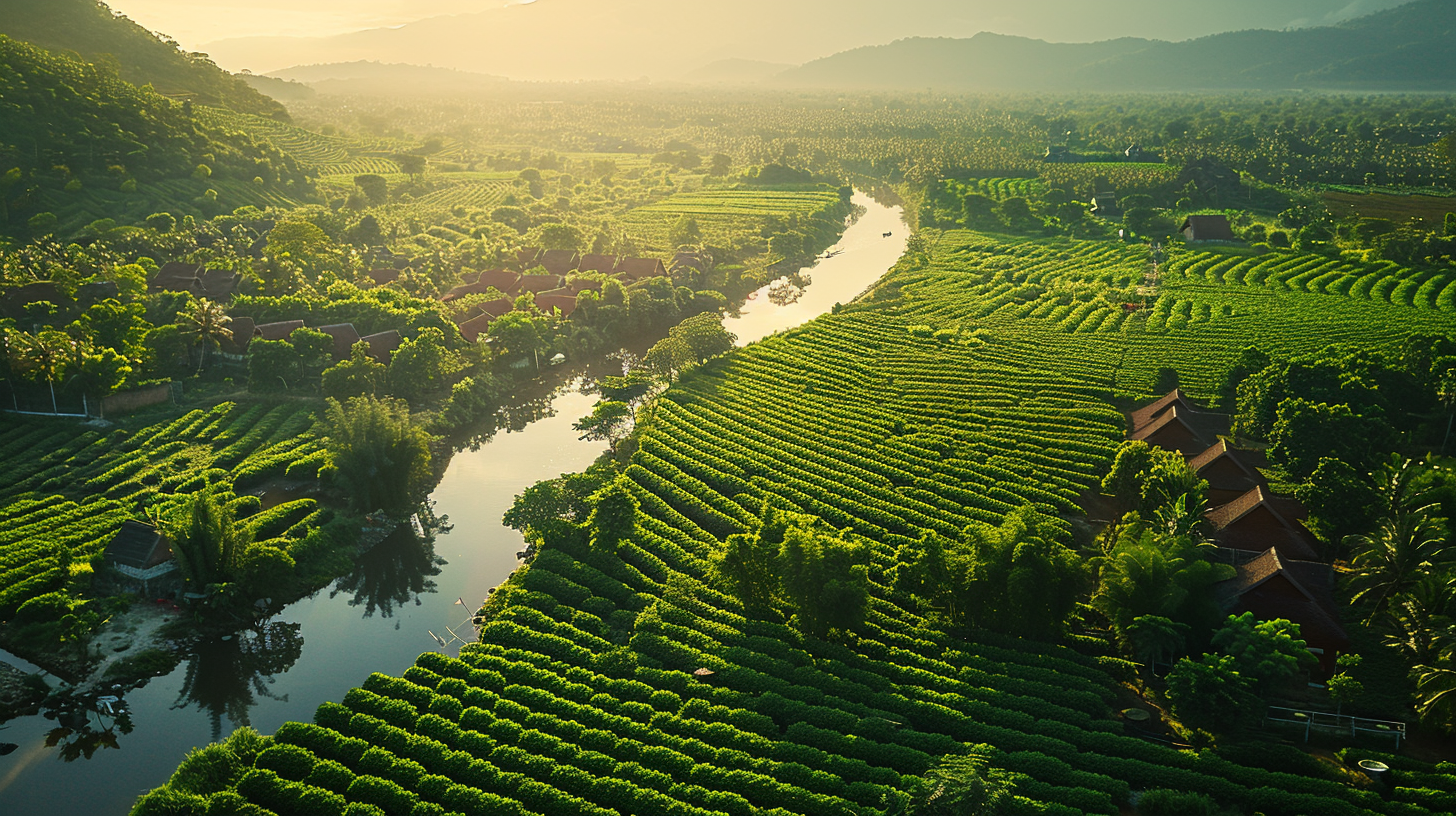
[(1199, 229), (1227, 475), (1254, 523), (141, 554), (636, 269), (1273, 586), (560, 261)]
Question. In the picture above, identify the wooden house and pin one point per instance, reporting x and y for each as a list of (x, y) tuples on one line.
[(502, 280), (1171, 431), (593, 262), (281, 330), (1207, 228), (1254, 523), (140, 553), (560, 261), (237, 345), (382, 345), (474, 328), (1274, 586), (498, 307), (540, 283), (15, 301), (345, 336), (1228, 476), (527, 257), (583, 284), (636, 269), (562, 299)]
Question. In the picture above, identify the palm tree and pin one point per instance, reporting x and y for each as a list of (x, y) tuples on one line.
[(1155, 639), (1394, 558), (1421, 620), (1436, 691), (207, 324)]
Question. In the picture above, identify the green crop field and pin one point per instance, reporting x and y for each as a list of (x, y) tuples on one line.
[(67, 490), (723, 213), (970, 381)]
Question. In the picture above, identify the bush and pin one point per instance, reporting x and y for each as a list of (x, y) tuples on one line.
[(168, 802), (288, 761), (1175, 803), (206, 770)]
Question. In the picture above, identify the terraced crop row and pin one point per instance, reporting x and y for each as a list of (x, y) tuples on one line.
[(582, 696), (65, 490)]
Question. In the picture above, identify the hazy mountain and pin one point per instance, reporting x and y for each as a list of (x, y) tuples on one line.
[(668, 39), (90, 30), (386, 79), (736, 72), (1412, 47)]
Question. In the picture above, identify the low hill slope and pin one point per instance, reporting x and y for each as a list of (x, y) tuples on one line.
[(83, 144), (90, 29)]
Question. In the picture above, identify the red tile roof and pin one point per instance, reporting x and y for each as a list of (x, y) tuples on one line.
[(639, 268), (598, 263), (472, 329), (528, 256)]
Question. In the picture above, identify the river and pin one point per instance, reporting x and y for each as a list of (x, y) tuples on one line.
[(401, 596)]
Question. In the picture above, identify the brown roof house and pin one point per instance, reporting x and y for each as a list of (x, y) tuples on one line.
[(1254, 523), (383, 275), (1172, 431), (527, 257), (1273, 586), (1144, 416), (382, 345), (15, 301), (237, 345), (276, 331), (475, 327), (140, 553), (640, 268), (345, 336), (563, 299), (593, 262), (560, 261), (1205, 228), (500, 279), (540, 283), (1228, 476)]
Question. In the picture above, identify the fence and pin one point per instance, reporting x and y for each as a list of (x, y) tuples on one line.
[(1325, 721)]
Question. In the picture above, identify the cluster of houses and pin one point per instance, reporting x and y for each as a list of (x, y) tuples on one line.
[(1259, 533), (554, 278), (381, 344), (214, 284)]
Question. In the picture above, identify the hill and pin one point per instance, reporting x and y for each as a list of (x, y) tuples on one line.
[(96, 34), (1412, 47), (379, 78), (83, 144)]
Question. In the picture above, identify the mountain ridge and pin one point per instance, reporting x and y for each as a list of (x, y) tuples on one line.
[(1405, 48)]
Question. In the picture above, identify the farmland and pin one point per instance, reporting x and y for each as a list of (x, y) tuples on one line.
[(69, 490), (581, 696)]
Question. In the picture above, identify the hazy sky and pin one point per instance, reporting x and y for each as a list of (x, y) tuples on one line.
[(626, 39), (197, 22)]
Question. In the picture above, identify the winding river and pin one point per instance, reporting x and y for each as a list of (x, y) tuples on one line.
[(401, 597)]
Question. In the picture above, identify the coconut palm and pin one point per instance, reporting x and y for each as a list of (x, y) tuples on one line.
[(208, 326), (1436, 691), (1421, 621), (1392, 559)]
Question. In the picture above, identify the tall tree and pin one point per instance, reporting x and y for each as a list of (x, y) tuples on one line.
[(379, 453), (207, 540), (1394, 558), (207, 325)]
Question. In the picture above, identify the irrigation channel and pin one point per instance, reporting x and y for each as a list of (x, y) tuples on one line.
[(402, 594)]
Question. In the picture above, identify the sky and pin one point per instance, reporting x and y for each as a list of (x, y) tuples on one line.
[(607, 37)]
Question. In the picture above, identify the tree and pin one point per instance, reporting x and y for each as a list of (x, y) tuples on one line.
[(613, 517), (668, 357), (40, 356), (963, 785), (567, 498), (516, 335), (1343, 687), (923, 568), (207, 540), (1209, 694), (1450, 221), (272, 365), (1166, 380), (1249, 362), (1265, 653), (419, 366), (746, 568), (375, 188), (412, 165), (1019, 578), (1155, 639), (1305, 432), (1148, 573), (721, 165), (378, 453), (1341, 501), (208, 326), (1393, 558), (1147, 478), (824, 576), (358, 376), (609, 422), (684, 232)]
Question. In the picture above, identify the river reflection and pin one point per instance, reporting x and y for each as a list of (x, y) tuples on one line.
[(394, 573), (227, 678)]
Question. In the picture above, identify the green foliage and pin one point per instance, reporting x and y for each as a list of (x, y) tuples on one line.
[(207, 540), (1145, 478), (1021, 579), (1163, 802), (358, 376), (963, 785), (1265, 653), (380, 455), (1210, 694), (613, 516)]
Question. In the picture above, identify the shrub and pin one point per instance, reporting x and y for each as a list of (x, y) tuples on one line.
[(1175, 803)]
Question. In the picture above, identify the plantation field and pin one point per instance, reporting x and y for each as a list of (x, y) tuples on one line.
[(723, 213), (180, 197), (1125, 178), (970, 381), (1397, 208), (65, 490), (1000, 189)]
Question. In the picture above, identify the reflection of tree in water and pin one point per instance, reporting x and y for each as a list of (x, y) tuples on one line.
[(396, 571), (226, 677), (82, 730)]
